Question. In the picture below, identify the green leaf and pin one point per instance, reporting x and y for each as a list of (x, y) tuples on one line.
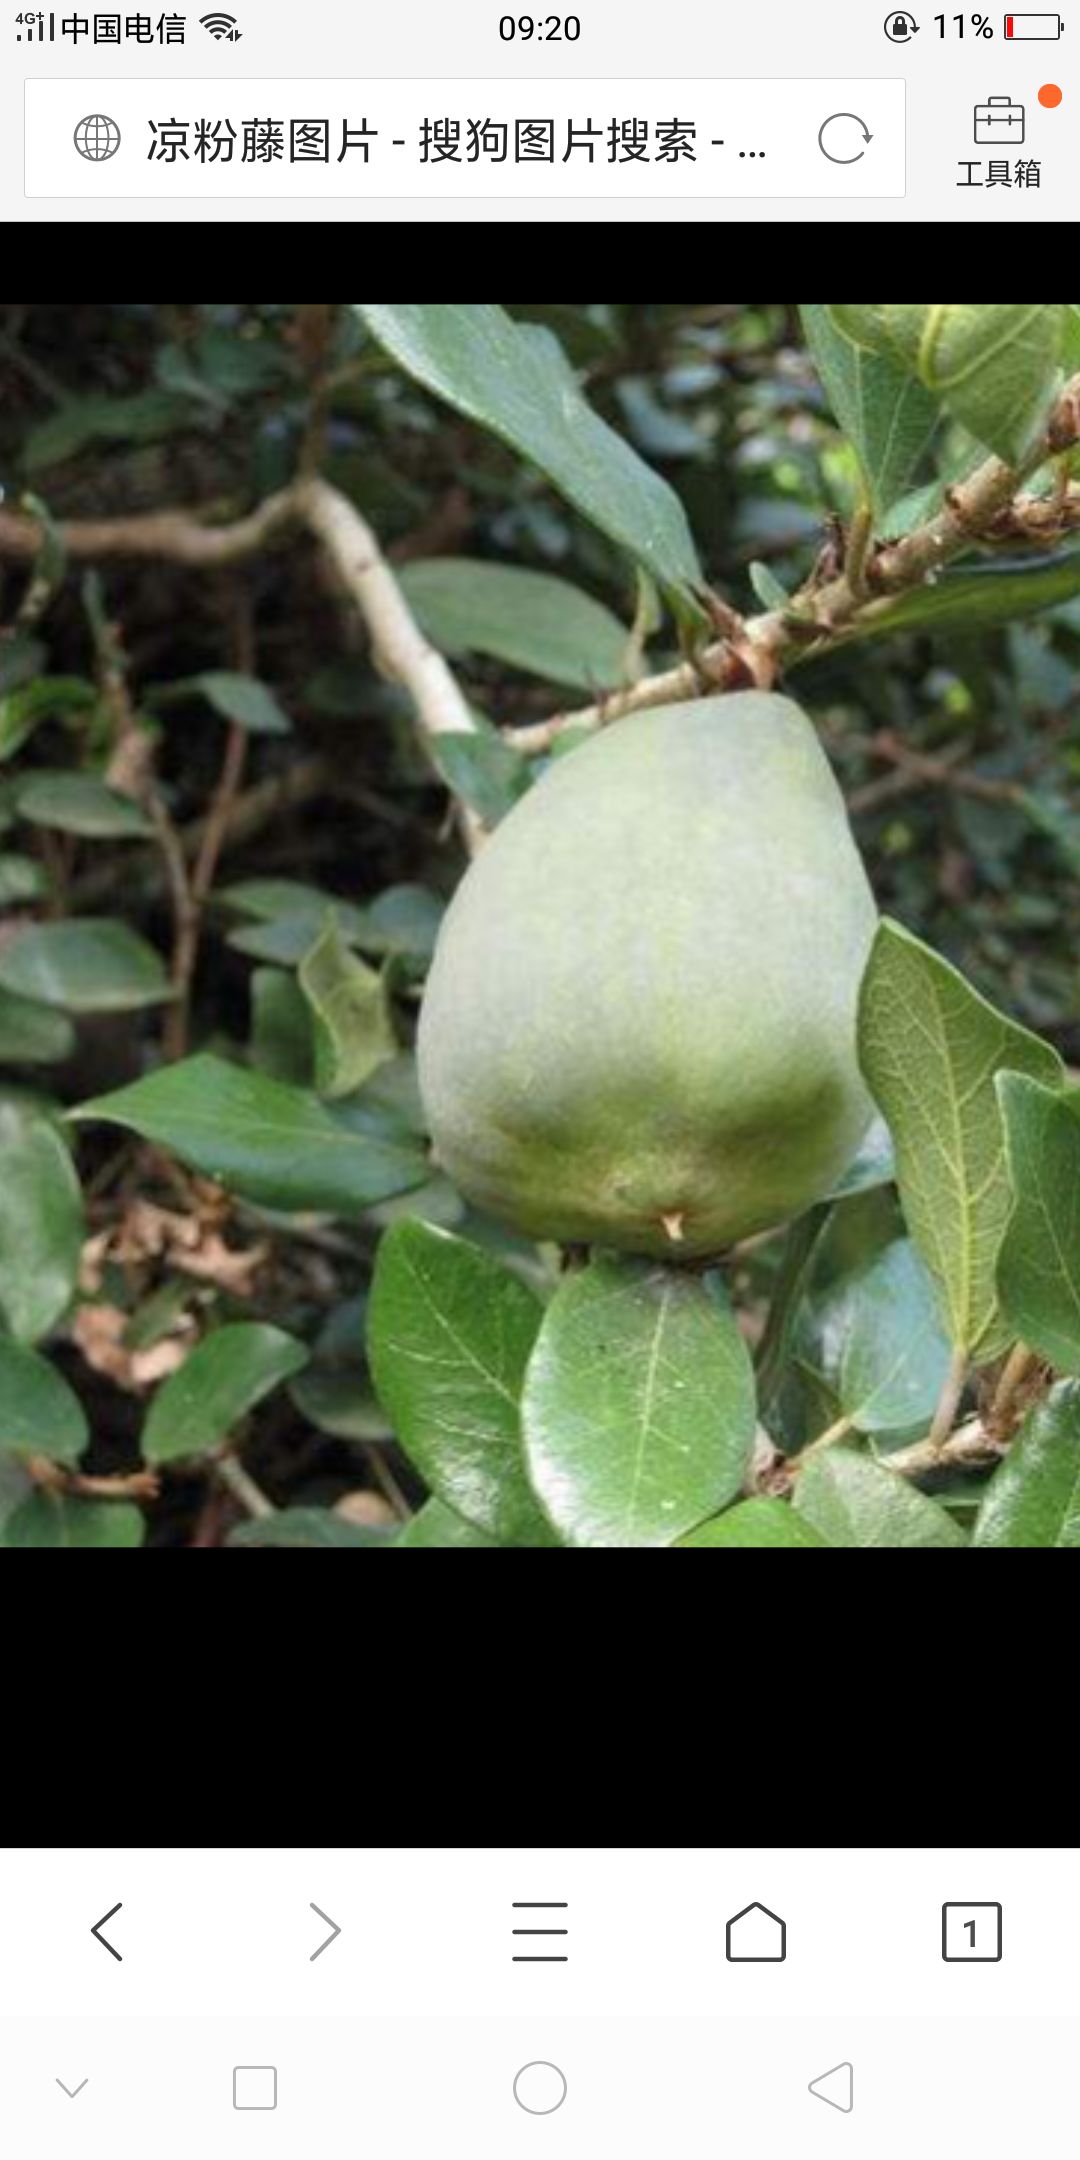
[(51, 697), (801, 1241), (39, 1413), (1033, 1498), (852, 1500), (864, 324), (87, 965), (354, 1030), (875, 1164), (21, 879), (756, 1522), (930, 1047), (49, 1518), (41, 1225), (638, 1411), (21, 659), (281, 1027), (404, 919), (273, 1143), (1038, 1271), (334, 1391), (308, 1526), (883, 1351), (482, 770), (997, 366), (142, 417), (767, 587), (239, 698), (516, 380), (32, 1034), (79, 803), (972, 600), (435, 1524), (449, 1336), (198, 1406), (535, 622), (888, 418)]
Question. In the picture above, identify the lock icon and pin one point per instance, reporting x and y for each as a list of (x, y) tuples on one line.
[(900, 26)]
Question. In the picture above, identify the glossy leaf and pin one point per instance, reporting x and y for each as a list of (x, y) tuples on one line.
[(273, 1143), (516, 380), (638, 1411), (32, 1034), (54, 1519), (887, 416), (930, 1047), (354, 1030), (1039, 1264), (449, 1337), (883, 1348), (80, 803), (851, 1500), (756, 1522), (308, 1527), (434, 1524), (1034, 1496), (84, 966), (198, 1406), (541, 624), (41, 1225), (39, 1413)]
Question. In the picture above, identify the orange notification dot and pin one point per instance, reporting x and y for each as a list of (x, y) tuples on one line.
[(1049, 94)]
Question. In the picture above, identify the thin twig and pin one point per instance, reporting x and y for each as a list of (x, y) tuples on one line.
[(970, 1447)]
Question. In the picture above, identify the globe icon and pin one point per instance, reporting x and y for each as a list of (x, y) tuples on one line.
[(97, 137)]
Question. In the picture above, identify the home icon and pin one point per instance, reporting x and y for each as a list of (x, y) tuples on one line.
[(756, 1936)]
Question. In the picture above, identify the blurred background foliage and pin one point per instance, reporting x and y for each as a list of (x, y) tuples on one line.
[(114, 411)]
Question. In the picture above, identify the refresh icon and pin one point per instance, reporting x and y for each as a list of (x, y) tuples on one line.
[(836, 155)]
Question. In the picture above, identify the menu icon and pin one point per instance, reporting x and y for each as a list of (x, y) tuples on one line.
[(544, 1930)]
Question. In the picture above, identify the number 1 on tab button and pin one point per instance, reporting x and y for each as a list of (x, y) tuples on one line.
[(971, 1934)]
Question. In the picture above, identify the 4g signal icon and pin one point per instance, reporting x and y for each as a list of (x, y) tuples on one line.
[(221, 26)]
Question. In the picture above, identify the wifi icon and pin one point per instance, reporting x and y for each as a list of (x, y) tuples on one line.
[(221, 26)]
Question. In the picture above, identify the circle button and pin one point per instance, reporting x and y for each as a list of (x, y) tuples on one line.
[(540, 2088)]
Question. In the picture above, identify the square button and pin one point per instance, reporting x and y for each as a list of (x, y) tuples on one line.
[(971, 1934), (254, 2086)]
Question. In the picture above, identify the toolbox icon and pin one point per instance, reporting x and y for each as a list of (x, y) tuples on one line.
[(999, 121)]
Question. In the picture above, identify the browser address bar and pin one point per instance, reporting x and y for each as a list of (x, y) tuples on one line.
[(391, 136)]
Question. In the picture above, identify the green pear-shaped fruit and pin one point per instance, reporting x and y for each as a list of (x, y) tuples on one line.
[(639, 1026)]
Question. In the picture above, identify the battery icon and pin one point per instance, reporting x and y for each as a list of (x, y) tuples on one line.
[(1033, 26)]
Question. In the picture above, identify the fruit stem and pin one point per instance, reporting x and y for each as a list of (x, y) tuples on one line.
[(948, 1401)]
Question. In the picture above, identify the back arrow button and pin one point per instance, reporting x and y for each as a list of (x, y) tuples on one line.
[(334, 1932), (96, 1930)]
